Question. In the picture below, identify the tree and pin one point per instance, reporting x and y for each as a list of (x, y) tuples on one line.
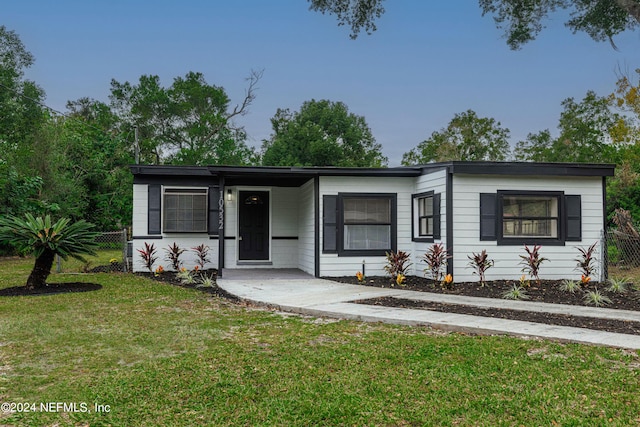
[(589, 133), (189, 122), (45, 240), (356, 14), (322, 133), (20, 110), (467, 137), (623, 191), (521, 20), (627, 98), (96, 158)]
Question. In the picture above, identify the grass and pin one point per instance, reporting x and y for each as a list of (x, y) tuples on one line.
[(72, 265), (163, 355)]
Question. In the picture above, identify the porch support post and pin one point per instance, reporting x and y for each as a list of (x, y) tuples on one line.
[(449, 219), (316, 224), (221, 226)]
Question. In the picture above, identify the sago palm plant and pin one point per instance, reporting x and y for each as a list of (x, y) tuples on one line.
[(45, 240)]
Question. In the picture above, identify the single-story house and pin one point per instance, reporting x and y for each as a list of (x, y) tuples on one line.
[(329, 221)]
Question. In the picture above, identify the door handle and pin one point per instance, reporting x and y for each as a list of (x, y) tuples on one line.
[(239, 238)]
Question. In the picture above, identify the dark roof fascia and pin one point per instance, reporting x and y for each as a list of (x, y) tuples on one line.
[(456, 167), (313, 171), (525, 168), (169, 170)]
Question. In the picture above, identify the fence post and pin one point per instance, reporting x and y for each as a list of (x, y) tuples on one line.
[(125, 267), (604, 257)]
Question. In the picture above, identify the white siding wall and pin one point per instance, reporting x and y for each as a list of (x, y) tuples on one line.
[(284, 221), (436, 182), (231, 228), (183, 240), (332, 264), (306, 228), (466, 226), (140, 207)]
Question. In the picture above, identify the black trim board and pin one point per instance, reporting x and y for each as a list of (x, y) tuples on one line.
[(449, 219), (156, 237), (605, 267), (221, 194), (316, 225)]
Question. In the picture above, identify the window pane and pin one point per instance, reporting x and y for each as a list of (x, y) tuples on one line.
[(530, 206), (425, 206), (426, 226), (367, 211), (185, 212), (367, 237), (530, 228), (170, 201)]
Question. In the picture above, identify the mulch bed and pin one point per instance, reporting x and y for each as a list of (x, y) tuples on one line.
[(547, 291), (50, 289), (170, 278)]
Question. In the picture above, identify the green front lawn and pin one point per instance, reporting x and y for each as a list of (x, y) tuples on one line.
[(163, 355)]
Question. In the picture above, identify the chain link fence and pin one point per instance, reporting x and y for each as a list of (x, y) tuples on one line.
[(621, 251), (112, 254)]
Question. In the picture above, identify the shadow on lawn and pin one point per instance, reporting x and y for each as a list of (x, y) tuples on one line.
[(51, 289)]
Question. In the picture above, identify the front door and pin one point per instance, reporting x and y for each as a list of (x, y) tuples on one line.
[(253, 221)]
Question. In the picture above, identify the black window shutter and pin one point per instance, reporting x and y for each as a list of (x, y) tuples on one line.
[(488, 216), (436, 216), (572, 205), (154, 203), (214, 211), (329, 224)]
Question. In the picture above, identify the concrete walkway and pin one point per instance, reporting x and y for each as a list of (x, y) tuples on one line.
[(294, 291)]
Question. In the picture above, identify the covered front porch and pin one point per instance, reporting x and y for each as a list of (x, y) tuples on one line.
[(267, 222)]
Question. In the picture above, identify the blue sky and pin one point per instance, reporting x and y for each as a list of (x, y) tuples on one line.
[(427, 61)]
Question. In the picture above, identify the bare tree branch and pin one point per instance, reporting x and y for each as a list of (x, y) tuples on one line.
[(240, 109), (249, 94)]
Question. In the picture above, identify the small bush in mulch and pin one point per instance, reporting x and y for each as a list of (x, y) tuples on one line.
[(171, 278)]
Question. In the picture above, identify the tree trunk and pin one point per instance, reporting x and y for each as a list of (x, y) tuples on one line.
[(41, 270)]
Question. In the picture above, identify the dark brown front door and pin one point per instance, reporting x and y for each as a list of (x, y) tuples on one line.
[(253, 221)]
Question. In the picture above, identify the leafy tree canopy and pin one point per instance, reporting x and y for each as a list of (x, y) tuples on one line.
[(521, 20), (322, 133), (189, 122), (467, 137), (590, 132), (20, 112)]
